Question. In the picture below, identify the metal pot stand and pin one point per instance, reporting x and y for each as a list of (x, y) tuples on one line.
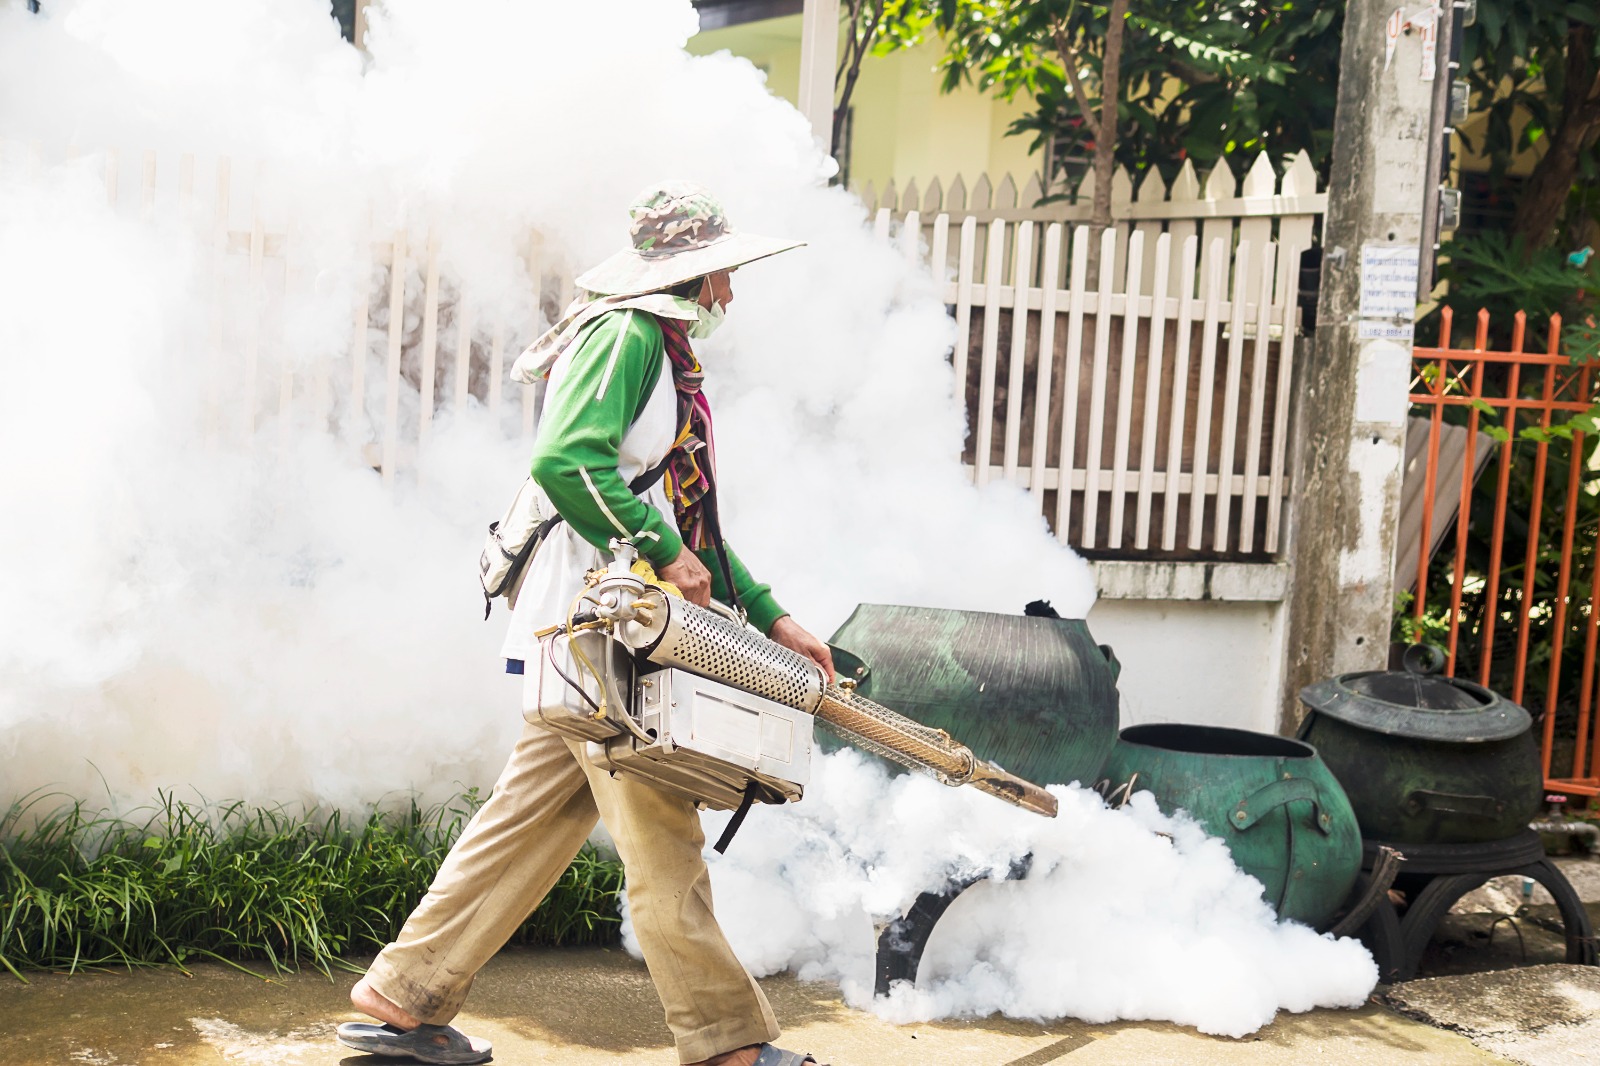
[(902, 941), (1437, 875)]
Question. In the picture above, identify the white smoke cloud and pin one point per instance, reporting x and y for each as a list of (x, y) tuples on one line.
[(260, 621), (1111, 920), (182, 607)]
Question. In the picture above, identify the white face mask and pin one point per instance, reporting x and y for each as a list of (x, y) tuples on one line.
[(706, 320)]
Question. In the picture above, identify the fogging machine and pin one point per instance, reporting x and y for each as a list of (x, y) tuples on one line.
[(698, 703)]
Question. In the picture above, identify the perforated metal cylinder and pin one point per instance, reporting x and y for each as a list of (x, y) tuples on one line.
[(673, 632), (894, 736), (685, 635)]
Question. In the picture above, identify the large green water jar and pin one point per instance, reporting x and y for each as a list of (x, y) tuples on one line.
[(1274, 803), (1036, 695)]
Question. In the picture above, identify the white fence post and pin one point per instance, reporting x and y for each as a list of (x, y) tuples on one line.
[(391, 377)]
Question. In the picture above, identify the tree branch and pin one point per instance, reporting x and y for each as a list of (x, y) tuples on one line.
[(1591, 101), (856, 51), (1105, 142), (1069, 63), (1544, 196), (852, 43)]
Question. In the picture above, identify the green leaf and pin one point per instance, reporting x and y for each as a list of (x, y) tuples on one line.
[(1517, 34), (1492, 17)]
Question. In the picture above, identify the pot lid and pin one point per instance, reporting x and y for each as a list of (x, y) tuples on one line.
[(1419, 703)]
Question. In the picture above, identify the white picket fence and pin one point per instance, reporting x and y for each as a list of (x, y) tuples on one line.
[(1177, 358), (1262, 206), (1163, 410), (414, 362), (1148, 413)]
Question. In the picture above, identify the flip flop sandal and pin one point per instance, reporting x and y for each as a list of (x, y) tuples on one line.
[(440, 1044), (776, 1056)]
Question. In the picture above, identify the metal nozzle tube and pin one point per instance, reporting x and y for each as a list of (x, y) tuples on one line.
[(927, 749), (987, 777)]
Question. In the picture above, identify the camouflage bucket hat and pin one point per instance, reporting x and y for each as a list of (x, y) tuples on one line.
[(679, 233)]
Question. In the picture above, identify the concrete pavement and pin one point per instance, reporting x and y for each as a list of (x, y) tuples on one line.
[(593, 1006), (1541, 1015)]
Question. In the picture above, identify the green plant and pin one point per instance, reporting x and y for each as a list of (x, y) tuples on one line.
[(1502, 275), (1501, 581), (1534, 70), (1194, 79), (235, 883), (1406, 628), (1200, 79)]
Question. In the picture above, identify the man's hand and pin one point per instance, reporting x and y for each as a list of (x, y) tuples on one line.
[(788, 632), (690, 575)]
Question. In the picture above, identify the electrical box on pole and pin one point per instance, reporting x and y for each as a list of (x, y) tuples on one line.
[(1441, 210)]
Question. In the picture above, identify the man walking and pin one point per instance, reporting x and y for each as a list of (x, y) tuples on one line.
[(623, 398)]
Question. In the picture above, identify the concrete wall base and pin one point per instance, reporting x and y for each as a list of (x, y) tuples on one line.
[(1198, 643)]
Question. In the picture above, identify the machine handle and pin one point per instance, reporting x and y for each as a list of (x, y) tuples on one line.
[(1424, 799), (1268, 798), (734, 615)]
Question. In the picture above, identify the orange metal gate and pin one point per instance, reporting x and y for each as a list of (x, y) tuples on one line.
[(1511, 597)]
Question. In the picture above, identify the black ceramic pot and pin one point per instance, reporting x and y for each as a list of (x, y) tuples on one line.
[(1426, 759)]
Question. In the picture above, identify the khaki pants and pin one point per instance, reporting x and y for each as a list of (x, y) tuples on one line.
[(513, 851)]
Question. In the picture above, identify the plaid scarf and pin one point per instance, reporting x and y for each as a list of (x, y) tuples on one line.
[(693, 465)]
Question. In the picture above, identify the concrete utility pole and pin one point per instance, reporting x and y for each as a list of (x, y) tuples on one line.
[(1351, 394)]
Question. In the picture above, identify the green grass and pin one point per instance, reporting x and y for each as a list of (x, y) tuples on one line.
[(236, 883)]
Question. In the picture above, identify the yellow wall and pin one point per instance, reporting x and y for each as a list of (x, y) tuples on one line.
[(771, 44), (905, 128), (1473, 131)]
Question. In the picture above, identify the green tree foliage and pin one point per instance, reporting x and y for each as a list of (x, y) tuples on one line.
[(1534, 68), (1198, 78), (1503, 275)]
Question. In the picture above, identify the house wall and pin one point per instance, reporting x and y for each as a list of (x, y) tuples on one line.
[(1200, 643), (905, 128), (1195, 661)]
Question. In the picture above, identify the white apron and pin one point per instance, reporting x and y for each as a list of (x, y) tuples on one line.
[(555, 574)]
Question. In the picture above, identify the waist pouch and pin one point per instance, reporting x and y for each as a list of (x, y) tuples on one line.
[(515, 539)]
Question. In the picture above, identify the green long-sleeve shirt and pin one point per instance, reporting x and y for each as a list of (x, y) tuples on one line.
[(608, 382)]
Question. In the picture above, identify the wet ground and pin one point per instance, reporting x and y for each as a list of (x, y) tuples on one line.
[(591, 1006)]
